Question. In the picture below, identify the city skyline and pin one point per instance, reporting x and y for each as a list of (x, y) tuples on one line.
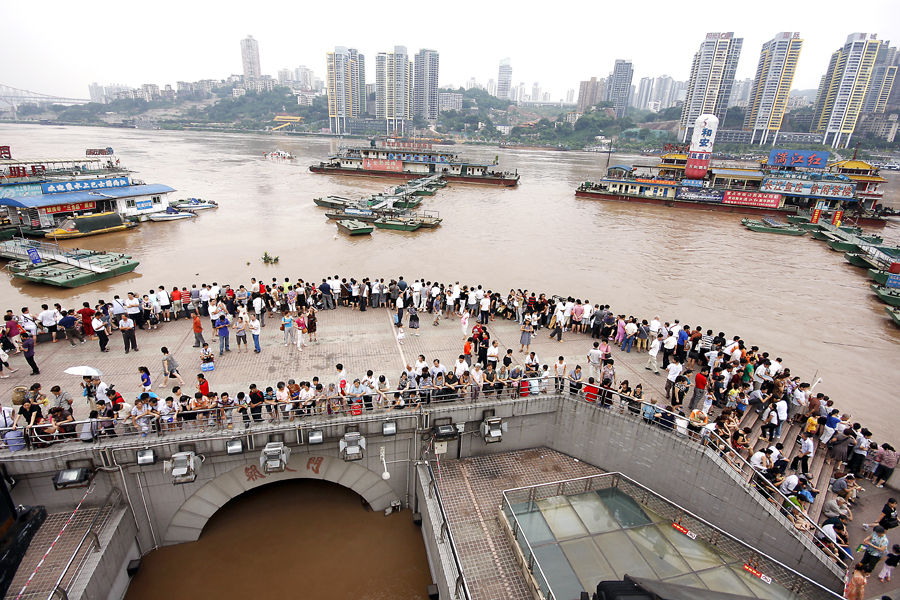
[(191, 53)]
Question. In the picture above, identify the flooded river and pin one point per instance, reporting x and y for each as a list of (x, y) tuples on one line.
[(301, 538), (794, 297)]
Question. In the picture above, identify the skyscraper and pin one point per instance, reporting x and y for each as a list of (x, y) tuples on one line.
[(712, 75), (844, 87), (536, 92), (590, 93), (504, 79), (492, 87), (772, 86), (663, 92), (96, 91), (346, 81), (618, 88), (884, 75), (425, 88), (393, 89), (645, 89), (570, 96), (250, 58)]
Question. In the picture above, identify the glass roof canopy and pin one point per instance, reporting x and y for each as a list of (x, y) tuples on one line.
[(575, 535)]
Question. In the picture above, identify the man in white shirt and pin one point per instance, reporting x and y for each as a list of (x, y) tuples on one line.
[(807, 447), (214, 290), (255, 330), (259, 309), (484, 307), (595, 361), (471, 302), (48, 318), (29, 323), (655, 345), (460, 367), (761, 460), (204, 300), (493, 354), (674, 370), (655, 326)]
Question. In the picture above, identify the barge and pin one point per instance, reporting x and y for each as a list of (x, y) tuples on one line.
[(397, 160)]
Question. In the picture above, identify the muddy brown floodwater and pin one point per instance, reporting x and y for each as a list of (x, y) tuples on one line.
[(303, 538), (794, 297)]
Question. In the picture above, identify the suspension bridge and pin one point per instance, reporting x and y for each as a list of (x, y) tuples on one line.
[(11, 97)]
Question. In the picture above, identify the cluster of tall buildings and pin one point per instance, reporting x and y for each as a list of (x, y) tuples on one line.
[(403, 89), (857, 83), (616, 89), (658, 93)]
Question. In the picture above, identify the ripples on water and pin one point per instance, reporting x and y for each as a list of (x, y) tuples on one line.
[(795, 297)]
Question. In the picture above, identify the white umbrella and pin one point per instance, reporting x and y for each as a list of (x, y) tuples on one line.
[(84, 371)]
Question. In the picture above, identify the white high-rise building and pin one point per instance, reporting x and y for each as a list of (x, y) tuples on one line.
[(845, 87), (570, 96), (771, 87), (712, 76), (536, 92), (492, 87), (305, 77), (504, 79), (426, 102), (618, 86), (250, 58), (346, 81), (96, 92), (644, 92), (394, 89)]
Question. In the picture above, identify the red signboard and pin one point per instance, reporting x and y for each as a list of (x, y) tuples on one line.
[(836, 219), (377, 164), (656, 181), (73, 207), (815, 216), (760, 199), (98, 151), (5, 153)]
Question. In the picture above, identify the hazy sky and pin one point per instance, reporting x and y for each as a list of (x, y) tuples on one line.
[(60, 47)]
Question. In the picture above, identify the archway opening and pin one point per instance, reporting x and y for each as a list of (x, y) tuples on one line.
[(293, 538)]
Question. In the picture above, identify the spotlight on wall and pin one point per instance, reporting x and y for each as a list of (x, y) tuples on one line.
[(389, 428), (352, 446), (234, 446), (147, 456), (72, 478), (492, 429), (274, 457), (315, 436), (183, 467), (386, 475)]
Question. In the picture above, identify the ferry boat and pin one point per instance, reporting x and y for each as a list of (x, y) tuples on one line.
[(787, 183), (353, 227), (767, 225), (194, 204), (278, 155), (173, 214), (89, 224), (404, 161)]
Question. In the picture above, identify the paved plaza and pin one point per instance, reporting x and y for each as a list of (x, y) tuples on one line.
[(358, 340)]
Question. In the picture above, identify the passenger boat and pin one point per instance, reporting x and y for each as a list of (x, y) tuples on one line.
[(888, 295), (846, 190), (194, 204), (354, 227), (397, 159), (172, 214), (767, 225), (894, 313), (366, 215), (90, 224), (398, 223), (344, 203)]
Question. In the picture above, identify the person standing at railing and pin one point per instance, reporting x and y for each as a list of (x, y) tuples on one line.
[(559, 374)]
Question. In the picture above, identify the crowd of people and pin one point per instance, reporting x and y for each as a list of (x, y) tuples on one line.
[(711, 380)]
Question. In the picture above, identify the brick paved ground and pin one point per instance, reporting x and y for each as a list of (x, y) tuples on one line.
[(359, 340), (471, 492)]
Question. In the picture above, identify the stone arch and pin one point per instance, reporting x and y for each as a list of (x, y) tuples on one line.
[(191, 517)]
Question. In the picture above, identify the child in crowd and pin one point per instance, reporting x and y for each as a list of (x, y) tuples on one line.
[(893, 557)]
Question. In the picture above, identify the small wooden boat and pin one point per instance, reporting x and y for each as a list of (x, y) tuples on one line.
[(894, 313), (85, 225), (398, 223), (172, 214), (279, 154), (354, 227), (772, 226), (887, 295), (194, 204)]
